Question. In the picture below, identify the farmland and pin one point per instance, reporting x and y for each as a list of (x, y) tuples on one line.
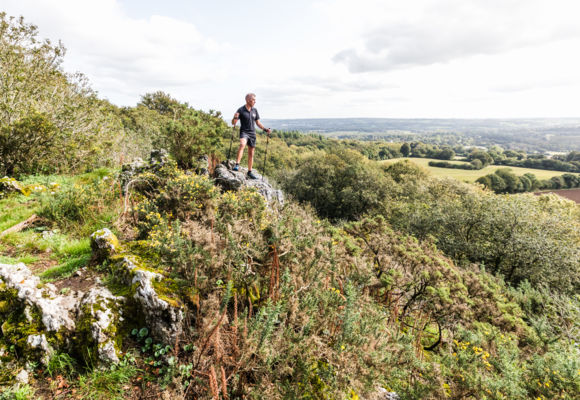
[(472, 175), (571, 194)]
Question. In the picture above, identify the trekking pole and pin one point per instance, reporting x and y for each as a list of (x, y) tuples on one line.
[(265, 156), (231, 141)]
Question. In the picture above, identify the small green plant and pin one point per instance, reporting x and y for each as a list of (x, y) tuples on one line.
[(109, 384), (61, 363), (18, 392)]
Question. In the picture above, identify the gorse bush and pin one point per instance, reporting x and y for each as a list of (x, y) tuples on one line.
[(84, 205), (284, 305)]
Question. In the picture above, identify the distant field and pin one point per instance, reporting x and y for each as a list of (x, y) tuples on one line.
[(471, 176), (571, 194)]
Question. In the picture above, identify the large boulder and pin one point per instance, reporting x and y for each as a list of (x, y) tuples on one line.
[(100, 314), (228, 179), (163, 312), (39, 320)]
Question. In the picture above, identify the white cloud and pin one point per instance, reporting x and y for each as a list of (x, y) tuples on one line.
[(124, 57), (328, 58), (425, 33)]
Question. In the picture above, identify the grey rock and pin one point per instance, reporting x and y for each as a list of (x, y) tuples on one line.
[(164, 320), (100, 306), (55, 310), (228, 179), (128, 171), (158, 158), (383, 394), (22, 377), (104, 243), (61, 312), (202, 167), (40, 343)]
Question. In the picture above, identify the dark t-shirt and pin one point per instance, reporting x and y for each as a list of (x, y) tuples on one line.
[(247, 120)]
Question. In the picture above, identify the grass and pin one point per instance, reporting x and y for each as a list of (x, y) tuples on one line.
[(26, 259), (471, 176), (108, 384), (65, 269), (15, 209), (25, 246)]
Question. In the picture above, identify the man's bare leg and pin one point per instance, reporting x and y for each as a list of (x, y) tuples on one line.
[(241, 150), (250, 157)]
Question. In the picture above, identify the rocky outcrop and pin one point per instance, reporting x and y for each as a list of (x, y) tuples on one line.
[(157, 159), (163, 314), (228, 179), (39, 320), (53, 309), (100, 314)]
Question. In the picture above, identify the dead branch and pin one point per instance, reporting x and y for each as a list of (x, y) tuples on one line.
[(22, 225)]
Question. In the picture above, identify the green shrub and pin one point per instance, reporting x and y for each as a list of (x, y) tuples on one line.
[(18, 392), (341, 185), (84, 206)]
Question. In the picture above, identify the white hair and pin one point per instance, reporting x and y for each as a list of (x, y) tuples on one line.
[(250, 95)]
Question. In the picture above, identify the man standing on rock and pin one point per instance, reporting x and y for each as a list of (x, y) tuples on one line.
[(249, 118)]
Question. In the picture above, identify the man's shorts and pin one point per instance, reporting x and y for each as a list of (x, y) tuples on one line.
[(250, 138)]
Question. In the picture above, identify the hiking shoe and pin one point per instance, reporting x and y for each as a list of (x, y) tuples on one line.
[(236, 167), (251, 175)]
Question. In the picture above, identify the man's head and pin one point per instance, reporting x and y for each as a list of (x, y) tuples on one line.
[(251, 99)]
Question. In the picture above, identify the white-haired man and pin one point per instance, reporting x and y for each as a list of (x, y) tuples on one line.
[(249, 118)]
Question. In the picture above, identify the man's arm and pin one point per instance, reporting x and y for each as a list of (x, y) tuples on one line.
[(235, 119), (262, 127)]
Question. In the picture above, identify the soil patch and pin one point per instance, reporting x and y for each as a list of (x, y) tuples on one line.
[(81, 280), (43, 263), (570, 194)]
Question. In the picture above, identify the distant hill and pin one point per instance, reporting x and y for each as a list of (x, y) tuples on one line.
[(531, 135)]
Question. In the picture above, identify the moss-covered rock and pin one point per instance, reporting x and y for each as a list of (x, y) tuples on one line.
[(162, 309), (36, 320), (11, 185), (150, 291), (99, 319), (104, 243)]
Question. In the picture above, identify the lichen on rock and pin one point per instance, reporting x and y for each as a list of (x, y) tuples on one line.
[(104, 243), (99, 317), (229, 179), (163, 315), (40, 321)]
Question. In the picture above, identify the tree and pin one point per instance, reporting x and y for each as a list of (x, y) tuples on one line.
[(446, 154), (26, 142), (512, 182), (163, 103), (405, 149), (477, 164), (341, 185), (522, 237), (190, 134), (33, 87), (480, 155)]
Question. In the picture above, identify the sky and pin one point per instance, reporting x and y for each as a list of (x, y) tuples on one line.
[(326, 58)]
